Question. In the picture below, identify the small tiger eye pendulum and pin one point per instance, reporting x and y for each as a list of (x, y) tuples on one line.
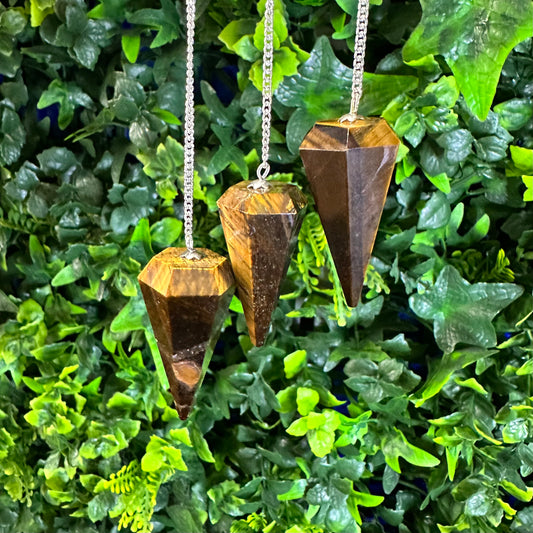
[(187, 291), (261, 220), (349, 163)]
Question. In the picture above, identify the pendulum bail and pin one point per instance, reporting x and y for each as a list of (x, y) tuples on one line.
[(358, 60), (263, 170)]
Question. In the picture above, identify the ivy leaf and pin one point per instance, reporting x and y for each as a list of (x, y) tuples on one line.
[(475, 38), (322, 89), (398, 446), (444, 370), (68, 96), (165, 20), (462, 312)]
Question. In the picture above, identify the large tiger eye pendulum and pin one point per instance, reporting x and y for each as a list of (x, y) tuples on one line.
[(187, 300), (261, 224), (349, 167), (349, 164)]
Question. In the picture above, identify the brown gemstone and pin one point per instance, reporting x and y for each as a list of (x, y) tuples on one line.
[(349, 167), (261, 229), (186, 301)]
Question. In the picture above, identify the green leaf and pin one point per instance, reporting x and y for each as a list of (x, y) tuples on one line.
[(296, 491), (515, 431), (166, 231), (12, 135), (462, 312), (522, 158), (39, 10), (436, 213), (515, 114), (471, 383), (398, 446), (475, 38), (294, 363), (445, 90), (237, 36), (444, 369), (131, 44), (367, 500), (165, 21), (441, 181), (520, 494), (99, 506), (6, 305), (200, 445), (181, 435), (321, 441), (121, 401), (298, 428), (69, 96), (306, 400), (66, 276), (390, 479)]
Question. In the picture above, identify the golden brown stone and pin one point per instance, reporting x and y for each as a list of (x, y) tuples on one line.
[(349, 167), (186, 301), (261, 229)]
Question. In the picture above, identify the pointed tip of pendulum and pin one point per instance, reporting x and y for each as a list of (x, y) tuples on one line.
[(187, 300), (349, 166), (261, 227)]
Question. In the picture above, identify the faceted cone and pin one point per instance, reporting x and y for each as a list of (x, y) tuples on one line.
[(349, 167), (186, 301), (261, 230)]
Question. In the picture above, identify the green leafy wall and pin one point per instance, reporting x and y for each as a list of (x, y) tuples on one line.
[(411, 413)]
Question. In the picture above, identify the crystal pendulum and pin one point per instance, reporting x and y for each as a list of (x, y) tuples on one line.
[(349, 163), (187, 291), (261, 220)]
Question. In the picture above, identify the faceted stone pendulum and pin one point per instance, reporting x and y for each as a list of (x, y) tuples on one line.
[(187, 291), (349, 167), (187, 301), (261, 220), (261, 229), (349, 164)]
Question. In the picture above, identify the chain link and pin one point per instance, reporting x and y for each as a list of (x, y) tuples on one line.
[(358, 59), (188, 144), (263, 169)]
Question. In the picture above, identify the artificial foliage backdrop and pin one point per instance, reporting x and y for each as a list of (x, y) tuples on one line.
[(411, 413)]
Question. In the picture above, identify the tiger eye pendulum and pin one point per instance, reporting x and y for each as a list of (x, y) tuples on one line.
[(261, 220), (187, 298), (349, 164), (261, 229), (187, 291)]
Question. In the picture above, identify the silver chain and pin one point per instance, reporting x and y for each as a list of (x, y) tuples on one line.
[(188, 144), (263, 169), (358, 59)]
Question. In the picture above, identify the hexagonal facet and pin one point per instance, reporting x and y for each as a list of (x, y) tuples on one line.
[(186, 302), (261, 229), (349, 167)]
